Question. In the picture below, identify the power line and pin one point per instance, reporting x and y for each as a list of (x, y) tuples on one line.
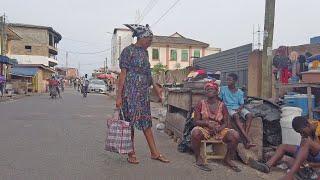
[(147, 9), (80, 41), (97, 52), (168, 10)]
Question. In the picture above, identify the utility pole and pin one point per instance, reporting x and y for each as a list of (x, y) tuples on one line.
[(3, 34), (78, 68), (106, 66), (67, 59), (266, 85)]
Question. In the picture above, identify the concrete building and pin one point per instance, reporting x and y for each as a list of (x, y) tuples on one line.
[(315, 40), (5, 62), (121, 38), (175, 51), (37, 76), (37, 46), (68, 73)]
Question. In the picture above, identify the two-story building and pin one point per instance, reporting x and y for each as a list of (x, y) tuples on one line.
[(5, 62), (175, 51), (37, 46)]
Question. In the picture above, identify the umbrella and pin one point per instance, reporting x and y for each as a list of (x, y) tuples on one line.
[(105, 76)]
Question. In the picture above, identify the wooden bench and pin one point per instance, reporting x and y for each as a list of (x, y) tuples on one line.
[(219, 150)]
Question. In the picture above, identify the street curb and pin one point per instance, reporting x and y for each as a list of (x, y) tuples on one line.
[(15, 97)]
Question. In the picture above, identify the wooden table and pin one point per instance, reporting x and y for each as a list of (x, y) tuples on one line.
[(300, 85)]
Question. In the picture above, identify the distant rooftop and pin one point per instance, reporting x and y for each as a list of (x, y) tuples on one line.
[(36, 27), (120, 29), (178, 39)]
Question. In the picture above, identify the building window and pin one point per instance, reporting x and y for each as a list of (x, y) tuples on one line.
[(196, 53), (173, 55), (155, 54), (28, 48), (184, 55), (50, 40)]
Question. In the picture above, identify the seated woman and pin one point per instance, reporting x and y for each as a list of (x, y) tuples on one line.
[(211, 119)]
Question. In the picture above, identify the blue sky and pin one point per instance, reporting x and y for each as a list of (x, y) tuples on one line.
[(85, 24)]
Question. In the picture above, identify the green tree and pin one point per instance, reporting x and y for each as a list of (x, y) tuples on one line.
[(159, 68)]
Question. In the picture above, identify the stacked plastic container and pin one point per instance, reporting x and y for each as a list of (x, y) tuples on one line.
[(289, 135)]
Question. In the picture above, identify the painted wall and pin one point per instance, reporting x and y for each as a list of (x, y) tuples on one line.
[(119, 41), (29, 59), (179, 63)]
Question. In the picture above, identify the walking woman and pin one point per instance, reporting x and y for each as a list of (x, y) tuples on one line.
[(133, 88)]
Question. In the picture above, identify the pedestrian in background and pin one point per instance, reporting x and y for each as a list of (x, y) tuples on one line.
[(2, 85), (133, 89)]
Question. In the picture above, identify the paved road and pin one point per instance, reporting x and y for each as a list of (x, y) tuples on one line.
[(41, 139)]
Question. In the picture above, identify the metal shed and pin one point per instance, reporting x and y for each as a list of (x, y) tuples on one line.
[(230, 61)]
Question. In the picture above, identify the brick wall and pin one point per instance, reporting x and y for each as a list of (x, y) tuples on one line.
[(38, 39)]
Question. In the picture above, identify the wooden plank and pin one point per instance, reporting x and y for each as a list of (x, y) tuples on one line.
[(196, 98), (175, 122), (310, 103), (180, 100), (298, 85)]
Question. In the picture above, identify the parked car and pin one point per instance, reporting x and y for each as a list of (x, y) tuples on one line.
[(97, 86)]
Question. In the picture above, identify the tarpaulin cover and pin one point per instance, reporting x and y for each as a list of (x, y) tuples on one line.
[(23, 71), (313, 58)]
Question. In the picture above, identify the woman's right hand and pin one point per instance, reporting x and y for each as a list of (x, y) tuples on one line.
[(118, 102)]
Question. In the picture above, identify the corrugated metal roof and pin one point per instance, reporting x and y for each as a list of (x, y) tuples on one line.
[(23, 71), (230, 61), (7, 60)]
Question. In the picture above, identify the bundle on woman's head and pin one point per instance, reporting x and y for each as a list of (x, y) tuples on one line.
[(140, 31)]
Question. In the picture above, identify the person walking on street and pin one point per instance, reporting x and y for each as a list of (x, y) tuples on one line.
[(85, 85), (75, 84), (2, 85), (133, 89)]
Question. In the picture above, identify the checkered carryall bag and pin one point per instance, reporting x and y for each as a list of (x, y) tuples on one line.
[(118, 135)]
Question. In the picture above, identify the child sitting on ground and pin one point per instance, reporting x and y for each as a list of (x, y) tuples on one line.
[(309, 149)]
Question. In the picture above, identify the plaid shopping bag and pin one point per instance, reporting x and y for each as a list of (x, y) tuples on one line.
[(118, 135)]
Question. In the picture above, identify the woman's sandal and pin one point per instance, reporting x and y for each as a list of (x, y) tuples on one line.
[(203, 167), (161, 158), (132, 160)]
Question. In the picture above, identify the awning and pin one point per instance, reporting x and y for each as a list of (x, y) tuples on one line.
[(24, 72), (6, 60), (105, 76)]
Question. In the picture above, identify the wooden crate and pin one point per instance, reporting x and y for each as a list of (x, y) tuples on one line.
[(194, 85), (180, 98), (175, 123), (311, 77), (180, 102), (218, 149)]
